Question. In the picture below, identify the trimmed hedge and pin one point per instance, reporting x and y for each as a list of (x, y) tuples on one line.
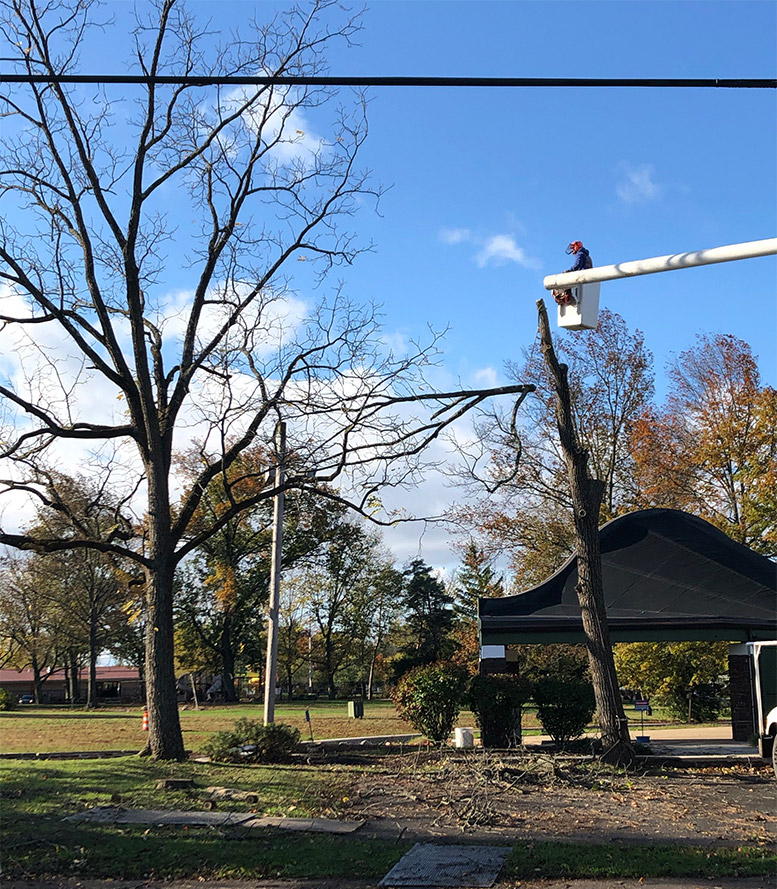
[(429, 698), (497, 700), (564, 707)]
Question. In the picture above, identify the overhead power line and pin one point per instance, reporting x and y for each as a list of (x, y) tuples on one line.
[(282, 80)]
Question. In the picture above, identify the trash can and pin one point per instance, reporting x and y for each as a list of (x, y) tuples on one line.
[(356, 709), (463, 738)]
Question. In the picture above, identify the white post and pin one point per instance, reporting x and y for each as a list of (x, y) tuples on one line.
[(748, 250), (310, 657), (271, 668)]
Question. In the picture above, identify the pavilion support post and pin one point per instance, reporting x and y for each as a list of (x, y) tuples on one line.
[(587, 495)]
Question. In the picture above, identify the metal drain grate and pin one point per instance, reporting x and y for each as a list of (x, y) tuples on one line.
[(465, 866)]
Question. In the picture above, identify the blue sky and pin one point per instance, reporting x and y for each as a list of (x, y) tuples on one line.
[(512, 175), (632, 173), (487, 186)]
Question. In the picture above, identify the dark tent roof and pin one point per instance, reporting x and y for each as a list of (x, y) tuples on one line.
[(667, 575)]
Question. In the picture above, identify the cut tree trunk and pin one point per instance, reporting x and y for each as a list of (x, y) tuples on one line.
[(587, 493)]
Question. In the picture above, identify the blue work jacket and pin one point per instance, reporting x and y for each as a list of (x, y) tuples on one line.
[(582, 261)]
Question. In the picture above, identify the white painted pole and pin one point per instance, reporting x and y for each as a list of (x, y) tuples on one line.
[(748, 250), (271, 665)]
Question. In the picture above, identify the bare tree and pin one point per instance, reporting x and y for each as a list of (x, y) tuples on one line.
[(527, 513), (112, 211), (586, 494)]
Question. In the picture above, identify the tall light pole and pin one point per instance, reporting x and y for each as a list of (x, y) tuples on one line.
[(271, 667)]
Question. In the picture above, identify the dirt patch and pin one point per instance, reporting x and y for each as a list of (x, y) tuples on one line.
[(536, 797)]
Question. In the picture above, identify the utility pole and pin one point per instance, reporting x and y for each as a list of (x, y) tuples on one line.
[(271, 668), (310, 656)]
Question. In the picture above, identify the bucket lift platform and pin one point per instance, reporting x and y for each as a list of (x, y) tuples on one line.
[(584, 315), (584, 284)]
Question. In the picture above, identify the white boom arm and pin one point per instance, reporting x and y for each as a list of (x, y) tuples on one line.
[(748, 250)]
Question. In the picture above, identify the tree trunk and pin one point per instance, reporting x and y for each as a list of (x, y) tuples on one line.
[(289, 674), (228, 674), (91, 688), (587, 493), (75, 680), (228, 660), (329, 673), (165, 740), (37, 681)]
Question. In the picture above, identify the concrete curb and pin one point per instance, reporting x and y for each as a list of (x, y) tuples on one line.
[(75, 754), (359, 741)]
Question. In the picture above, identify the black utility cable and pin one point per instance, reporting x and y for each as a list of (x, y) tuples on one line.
[(284, 80)]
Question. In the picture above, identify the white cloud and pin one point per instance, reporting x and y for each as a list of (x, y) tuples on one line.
[(499, 249), (455, 235), (396, 342), (487, 377), (283, 122), (494, 249), (637, 185)]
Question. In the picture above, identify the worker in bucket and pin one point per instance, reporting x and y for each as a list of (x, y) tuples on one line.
[(582, 261)]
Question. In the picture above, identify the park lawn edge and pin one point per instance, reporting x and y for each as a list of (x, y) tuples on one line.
[(132, 852), (626, 860)]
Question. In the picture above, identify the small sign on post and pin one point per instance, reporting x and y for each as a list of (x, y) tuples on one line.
[(642, 706)]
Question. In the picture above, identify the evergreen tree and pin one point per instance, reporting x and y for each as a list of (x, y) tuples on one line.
[(429, 617), (476, 579)]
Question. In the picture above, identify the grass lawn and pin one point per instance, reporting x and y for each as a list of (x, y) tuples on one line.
[(35, 797), (56, 729), (616, 861), (52, 729)]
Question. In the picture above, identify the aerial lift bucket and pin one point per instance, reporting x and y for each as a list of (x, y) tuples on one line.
[(585, 314)]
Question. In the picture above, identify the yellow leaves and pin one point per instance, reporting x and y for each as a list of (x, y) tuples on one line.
[(133, 609), (224, 579), (373, 505)]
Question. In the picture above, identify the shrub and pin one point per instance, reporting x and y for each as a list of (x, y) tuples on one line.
[(7, 700), (564, 707), (251, 741), (496, 701), (429, 698), (707, 700)]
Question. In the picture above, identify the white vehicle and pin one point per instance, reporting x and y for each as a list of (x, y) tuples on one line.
[(765, 684), (771, 730)]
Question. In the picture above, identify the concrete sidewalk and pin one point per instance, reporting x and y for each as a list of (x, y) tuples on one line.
[(704, 745)]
